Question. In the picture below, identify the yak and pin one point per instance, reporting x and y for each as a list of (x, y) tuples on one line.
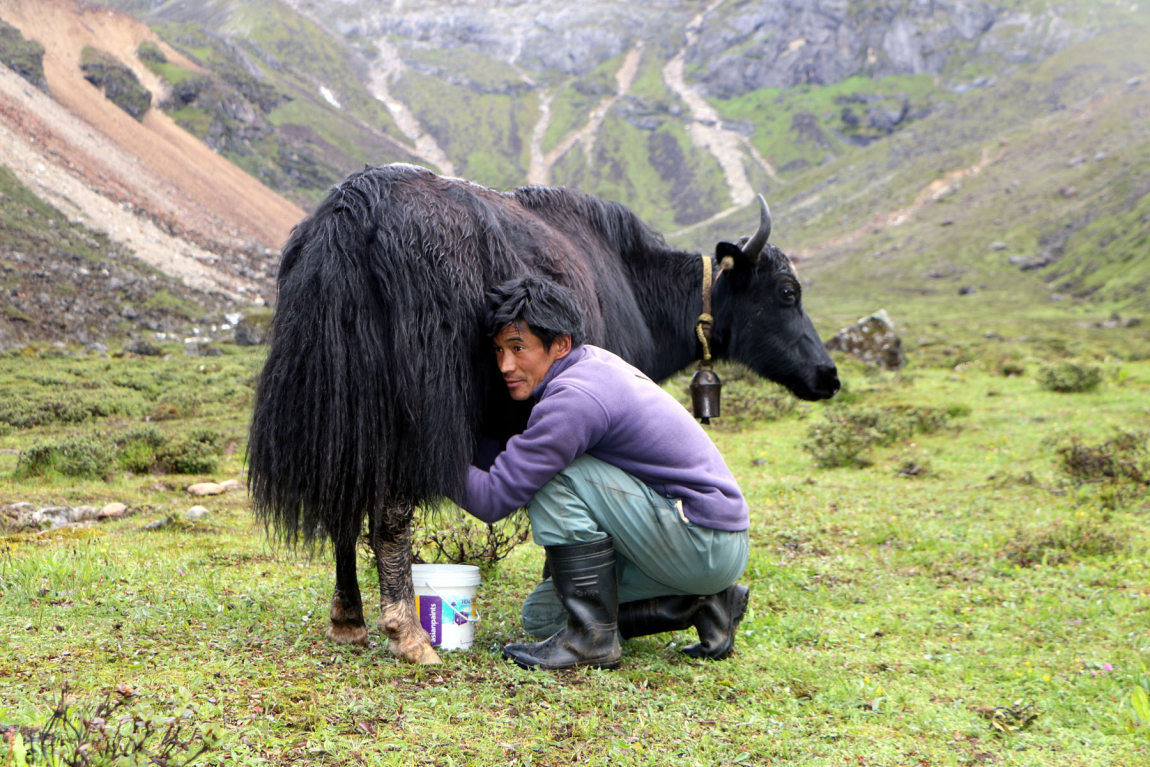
[(379, 383)]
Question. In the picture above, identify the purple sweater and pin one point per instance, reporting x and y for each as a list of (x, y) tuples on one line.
[(593, 402)]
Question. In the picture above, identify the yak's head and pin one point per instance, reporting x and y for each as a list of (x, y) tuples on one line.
[(759, 317)]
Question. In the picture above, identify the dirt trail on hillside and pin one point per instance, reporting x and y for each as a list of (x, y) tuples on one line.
[(155, 164), (929, 193), (707, 132), (541, 164), (424, 146)]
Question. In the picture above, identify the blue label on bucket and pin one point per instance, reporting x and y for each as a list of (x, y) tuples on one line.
[(434, 614)]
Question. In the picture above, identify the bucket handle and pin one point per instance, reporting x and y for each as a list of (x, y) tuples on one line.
[(468, 618)]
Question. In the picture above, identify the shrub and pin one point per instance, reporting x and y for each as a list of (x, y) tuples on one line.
[(1069, 376), (112, 732), (75, 457), (138, 448), (1060, 542), (1119, 468), (25, 408), (149, 52), (146, 448), (846, 433), (138, 457), (448, 534), (175, 405), (1121, 458), (196, 453)]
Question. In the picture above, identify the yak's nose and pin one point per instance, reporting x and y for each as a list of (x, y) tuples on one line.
[(828, 379)]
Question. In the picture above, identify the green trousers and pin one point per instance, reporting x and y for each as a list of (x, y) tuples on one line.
[(658, 551)]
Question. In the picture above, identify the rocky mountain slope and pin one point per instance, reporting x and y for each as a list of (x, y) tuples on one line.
[(854, 117)]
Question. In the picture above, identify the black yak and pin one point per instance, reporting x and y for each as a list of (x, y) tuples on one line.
[(379, 383)]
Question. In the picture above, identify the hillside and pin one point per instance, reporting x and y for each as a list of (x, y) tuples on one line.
[(889, 137)]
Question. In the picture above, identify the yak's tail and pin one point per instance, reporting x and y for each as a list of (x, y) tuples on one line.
[(367, 399)]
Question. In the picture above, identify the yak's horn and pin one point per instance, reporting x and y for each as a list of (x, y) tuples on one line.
[(753, 249)]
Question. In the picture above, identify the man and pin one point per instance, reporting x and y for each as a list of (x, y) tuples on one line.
[(644, 526)]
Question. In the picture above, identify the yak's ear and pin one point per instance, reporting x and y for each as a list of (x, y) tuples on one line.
[(734, 263)]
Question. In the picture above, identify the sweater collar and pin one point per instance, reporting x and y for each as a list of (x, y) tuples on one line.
[(557, 367)]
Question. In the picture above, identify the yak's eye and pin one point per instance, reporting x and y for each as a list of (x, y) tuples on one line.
[(789, 292)]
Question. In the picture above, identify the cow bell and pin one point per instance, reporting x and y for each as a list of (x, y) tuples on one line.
[(705, 389)]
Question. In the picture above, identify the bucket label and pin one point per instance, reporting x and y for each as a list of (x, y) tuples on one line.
[(435, 615)]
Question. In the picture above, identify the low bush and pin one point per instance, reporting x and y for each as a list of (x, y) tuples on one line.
[(846, 433), (138, 448), (449, 534), (1069, 376), (196, 453), (147, 449), (27, 407), (1060, 542), (1111, 472), (111, 731), (71, 457), (1121, 458)]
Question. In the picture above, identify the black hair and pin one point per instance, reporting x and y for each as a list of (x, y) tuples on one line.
[(548, 309)]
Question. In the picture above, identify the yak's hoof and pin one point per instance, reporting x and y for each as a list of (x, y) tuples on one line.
[(421, 654), (347, 633), (407, 639)]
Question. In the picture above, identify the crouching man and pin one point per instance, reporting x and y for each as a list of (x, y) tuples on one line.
[(644, 526)]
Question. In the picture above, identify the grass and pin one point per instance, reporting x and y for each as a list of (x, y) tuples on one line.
[(894, 619)]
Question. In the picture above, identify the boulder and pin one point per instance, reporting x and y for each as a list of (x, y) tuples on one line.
[(52, 518), (196, 512), (873, 340), (232, 484), (201, 489), (112, 511), (252, 329), (143, 348), (84, 513)]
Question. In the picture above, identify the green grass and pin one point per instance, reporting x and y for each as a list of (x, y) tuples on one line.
[(890, 614)]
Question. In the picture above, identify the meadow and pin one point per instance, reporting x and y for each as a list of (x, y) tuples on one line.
[(948, 567)]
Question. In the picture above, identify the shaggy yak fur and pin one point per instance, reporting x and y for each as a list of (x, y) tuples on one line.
[(379, 380)]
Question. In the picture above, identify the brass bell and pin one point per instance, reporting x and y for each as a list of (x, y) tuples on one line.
[(705, 389)]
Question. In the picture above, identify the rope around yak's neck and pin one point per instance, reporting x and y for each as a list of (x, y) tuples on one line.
[(703, 324)]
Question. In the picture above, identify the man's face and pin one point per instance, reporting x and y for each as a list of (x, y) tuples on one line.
[(522, 359)]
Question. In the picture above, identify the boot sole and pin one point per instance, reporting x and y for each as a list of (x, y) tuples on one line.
[(609, 665)]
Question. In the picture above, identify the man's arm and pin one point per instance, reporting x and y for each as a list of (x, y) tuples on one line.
[(563, 426)]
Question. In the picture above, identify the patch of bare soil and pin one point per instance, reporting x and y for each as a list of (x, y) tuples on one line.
[(152, 186)]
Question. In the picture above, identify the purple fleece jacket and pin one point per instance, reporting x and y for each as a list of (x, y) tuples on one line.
[(593, 402)]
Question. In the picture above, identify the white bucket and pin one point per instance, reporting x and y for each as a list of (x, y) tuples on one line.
[(445, 603)]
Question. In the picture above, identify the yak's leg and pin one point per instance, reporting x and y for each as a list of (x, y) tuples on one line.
[(391, 539), (347, 626)]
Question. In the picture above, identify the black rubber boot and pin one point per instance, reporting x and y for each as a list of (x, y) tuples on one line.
[(715, 617), (584, 578)]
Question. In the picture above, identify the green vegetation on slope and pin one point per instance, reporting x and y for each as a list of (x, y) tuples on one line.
[(799, 127), (488, 135), (24, 57), (119, 83)]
